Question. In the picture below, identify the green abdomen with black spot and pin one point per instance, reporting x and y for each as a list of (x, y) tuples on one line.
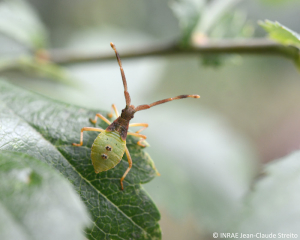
[(107, 151)]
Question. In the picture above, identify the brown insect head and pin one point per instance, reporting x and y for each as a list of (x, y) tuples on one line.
[(128, 112)]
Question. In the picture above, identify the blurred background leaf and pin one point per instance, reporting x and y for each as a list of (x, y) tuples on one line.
[(204, 21), (188, 13), (20, 22), (273, 204), (212, 14), (201, 21), (281, 33), (36, 202)]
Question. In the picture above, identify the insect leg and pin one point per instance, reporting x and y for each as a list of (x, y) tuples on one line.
[(114, 108), (129, 167), (98, 115), (86, 129), (144, 125), (138, 135)]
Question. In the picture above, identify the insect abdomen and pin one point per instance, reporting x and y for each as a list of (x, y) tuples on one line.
[(107, 151)]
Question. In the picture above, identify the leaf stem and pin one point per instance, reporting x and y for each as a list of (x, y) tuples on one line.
[(258, 46)]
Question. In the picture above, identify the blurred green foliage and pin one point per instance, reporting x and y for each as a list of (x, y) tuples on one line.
[(30, 192), (208, 166), (281, 34), (19, 21), (201, 21)]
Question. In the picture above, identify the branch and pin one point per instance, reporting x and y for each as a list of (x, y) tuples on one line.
[(249, 46)]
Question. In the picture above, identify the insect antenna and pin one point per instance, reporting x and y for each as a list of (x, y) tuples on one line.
[(146, 106), (126, 93)]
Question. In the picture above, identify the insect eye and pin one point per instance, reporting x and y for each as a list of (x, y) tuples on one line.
[(108, 148), (104, 156)]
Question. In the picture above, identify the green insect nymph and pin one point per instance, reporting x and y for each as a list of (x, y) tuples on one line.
[(110, 145)]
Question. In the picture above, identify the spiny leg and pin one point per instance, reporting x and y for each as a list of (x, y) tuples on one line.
[(144, 125), (113, 108), (129, 167), (98, 115), (140, 136), (86, 129), (137, 135)]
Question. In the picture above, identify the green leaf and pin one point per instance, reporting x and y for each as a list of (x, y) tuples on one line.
[(45, 129), (21, 23), (273, 205), (280, 33), (36, 202), (283, 35)]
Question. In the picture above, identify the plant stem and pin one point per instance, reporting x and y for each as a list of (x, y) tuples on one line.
[(259, 46)]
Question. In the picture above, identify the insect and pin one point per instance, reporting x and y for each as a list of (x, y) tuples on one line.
[(110, 145)]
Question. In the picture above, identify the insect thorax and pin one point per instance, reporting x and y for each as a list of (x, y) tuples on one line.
[(120, 125)]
